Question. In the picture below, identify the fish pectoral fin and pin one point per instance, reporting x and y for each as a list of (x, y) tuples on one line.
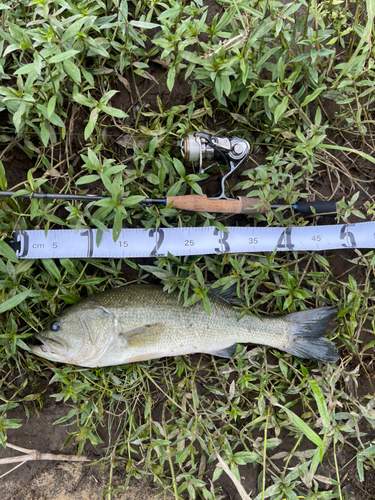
[(142, 335), (228, 352)]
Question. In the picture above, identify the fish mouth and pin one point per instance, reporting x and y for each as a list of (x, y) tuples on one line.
[(46, 347)]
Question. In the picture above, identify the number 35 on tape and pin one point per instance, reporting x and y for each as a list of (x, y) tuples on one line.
[(159, 242)]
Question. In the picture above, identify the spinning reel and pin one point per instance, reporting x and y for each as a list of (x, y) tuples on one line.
[(231, 151)]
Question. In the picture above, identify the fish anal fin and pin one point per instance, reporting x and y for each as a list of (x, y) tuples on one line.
[(142, 335), (228, 352)]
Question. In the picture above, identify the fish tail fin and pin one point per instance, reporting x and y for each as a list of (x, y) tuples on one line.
[(307, 334)]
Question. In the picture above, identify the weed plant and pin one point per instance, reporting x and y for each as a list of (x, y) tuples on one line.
[(294, 79)]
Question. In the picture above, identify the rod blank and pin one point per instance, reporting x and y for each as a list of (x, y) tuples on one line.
[(47, 196)]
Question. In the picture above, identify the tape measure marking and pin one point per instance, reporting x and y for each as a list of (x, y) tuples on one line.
[(68, 243)]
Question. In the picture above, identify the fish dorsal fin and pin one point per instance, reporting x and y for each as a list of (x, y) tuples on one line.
[(142, 335), (229, 295), (228, 352)]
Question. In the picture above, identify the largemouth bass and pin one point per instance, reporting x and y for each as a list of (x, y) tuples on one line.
[(140, 322)]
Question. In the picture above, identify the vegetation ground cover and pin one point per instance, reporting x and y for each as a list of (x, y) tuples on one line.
[(95, 96)]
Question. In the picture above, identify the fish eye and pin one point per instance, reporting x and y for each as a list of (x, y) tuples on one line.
[(55, 326)]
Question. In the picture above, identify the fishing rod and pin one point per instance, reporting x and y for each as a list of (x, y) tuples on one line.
[(197, 203), (200, 147)]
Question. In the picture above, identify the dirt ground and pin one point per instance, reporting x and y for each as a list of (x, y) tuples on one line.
[(58, 480)]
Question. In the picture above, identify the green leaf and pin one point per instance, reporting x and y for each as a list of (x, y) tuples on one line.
[(73, 29), (322, 260), (280, 109), (320, 401), (51, 106), (245, 457), (117, 225), (91, 123), (17, 117), (174, 190), (14, 301), (287, 302), (44, 134), (302, 426), (8, 252), (26, 69), (153, 179), (168, 13), (314, 95), (360, 470), (144, 24), (107, 96), (56, 120), (368, 451), (63, 56), (106, 202), (190, 56), (93, 159), (266, 91), (171, 78), (88, 76), (350, 150), (300, 57), (132, 200), (110, 187), (227, 86), (158, 272), (217, 473), (219, 226), (51, 268), (3, 178), (117, 113), (196, 187), (81, 99), (87, 179), (240, 118), (179, 167), (73, 71), (207, 304), (69, 266), (219, 87)]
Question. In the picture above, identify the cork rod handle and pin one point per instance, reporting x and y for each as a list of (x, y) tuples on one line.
[(198, 203)]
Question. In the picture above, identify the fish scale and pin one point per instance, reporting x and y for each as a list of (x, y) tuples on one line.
[(140, 322), (189, 330)]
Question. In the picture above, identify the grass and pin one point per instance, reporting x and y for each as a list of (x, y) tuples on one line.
[(296, 81)]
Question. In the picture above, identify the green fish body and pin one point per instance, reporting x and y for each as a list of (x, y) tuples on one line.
[(141, 322)]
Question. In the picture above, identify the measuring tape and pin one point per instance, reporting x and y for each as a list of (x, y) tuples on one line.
[(68, 243)]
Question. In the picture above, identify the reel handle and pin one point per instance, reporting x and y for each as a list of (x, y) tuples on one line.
[(196, 203)]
